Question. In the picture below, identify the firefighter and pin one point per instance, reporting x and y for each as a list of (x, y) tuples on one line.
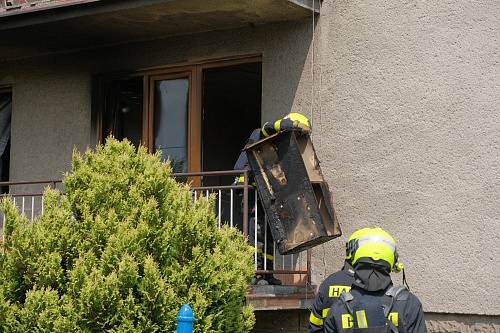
[(331, 289), (264, 236), (374, 304), (290, 121)]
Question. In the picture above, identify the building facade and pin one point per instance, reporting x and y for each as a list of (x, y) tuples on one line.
[(404, 99)]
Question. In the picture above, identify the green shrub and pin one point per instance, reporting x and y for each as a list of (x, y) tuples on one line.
[(120, 251)]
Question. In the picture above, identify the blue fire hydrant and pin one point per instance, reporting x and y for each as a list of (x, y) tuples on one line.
[(185, 320)]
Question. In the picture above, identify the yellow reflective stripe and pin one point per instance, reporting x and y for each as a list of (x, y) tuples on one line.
[(241, 180), (337, 290), (347, 321), (268, 129), (277, 125), (263, 129), (394, 317), (315, 320), (268, 256), (324, 313), (361, 319)]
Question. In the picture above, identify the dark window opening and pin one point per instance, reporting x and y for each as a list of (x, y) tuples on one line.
[(5, 121), (122, 109), (231, 111)]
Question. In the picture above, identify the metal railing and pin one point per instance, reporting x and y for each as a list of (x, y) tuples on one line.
[(17, 4), (27, 196), (236, 205)]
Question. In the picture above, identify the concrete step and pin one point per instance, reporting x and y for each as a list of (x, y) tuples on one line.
[(280, 297)]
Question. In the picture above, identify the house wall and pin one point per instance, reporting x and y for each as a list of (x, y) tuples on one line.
[(52, 94), (408, 132), (405, 121), (50, 117)]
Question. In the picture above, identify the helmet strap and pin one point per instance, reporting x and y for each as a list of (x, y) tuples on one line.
[(348, 267), (405, 283)]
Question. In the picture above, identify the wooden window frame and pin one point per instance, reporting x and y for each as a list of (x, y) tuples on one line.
[(194, 118), (194, 72)]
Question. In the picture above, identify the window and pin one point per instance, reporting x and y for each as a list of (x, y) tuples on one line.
[(198, 116), (173, 122), (122, 109), (231, 101), (5, 118)]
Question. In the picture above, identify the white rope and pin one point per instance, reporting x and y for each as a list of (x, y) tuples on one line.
[(313, 81), (320, 89), (311, 116)]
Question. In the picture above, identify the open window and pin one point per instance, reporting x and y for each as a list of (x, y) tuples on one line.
[(5, 122), (199, 116), (122, 108), (231, 104)]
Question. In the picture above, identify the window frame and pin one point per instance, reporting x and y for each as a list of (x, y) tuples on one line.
[(194, 72), (8, 89), (194, 118)]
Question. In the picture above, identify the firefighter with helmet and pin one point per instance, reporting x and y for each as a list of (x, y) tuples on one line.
[(374, 304), (292, 121), (330, 290)]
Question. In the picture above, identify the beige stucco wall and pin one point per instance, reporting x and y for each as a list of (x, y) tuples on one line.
[(409, 136), (49, 119), (405, 117), (52, 94)]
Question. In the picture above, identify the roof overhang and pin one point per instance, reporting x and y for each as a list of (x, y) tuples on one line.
[(80, 24)]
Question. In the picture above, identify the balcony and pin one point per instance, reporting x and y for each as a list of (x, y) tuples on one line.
[(235, 205), (33, 27)]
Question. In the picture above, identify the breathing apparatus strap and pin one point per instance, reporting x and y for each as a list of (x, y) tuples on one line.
[(395, 293), (404, 280), (345, 298)]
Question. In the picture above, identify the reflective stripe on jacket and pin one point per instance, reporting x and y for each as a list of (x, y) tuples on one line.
[(331, 288), (394, 310)]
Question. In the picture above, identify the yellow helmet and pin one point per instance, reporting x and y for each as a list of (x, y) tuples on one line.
[(373, 243), (289, 122), (299, 120)]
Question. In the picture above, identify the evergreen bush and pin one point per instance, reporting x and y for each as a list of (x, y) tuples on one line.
[(120, 251)]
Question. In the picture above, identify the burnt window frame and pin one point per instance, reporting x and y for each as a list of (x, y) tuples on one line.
[(7, 89)]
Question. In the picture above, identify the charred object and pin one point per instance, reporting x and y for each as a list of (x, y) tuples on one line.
[(293, 191)]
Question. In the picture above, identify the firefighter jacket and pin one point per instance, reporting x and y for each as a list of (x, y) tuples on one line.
[(394, 310), (242, 161), (330, 290)]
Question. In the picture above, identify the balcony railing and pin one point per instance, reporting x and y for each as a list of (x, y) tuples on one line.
[(17, 4), (236, 205)]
